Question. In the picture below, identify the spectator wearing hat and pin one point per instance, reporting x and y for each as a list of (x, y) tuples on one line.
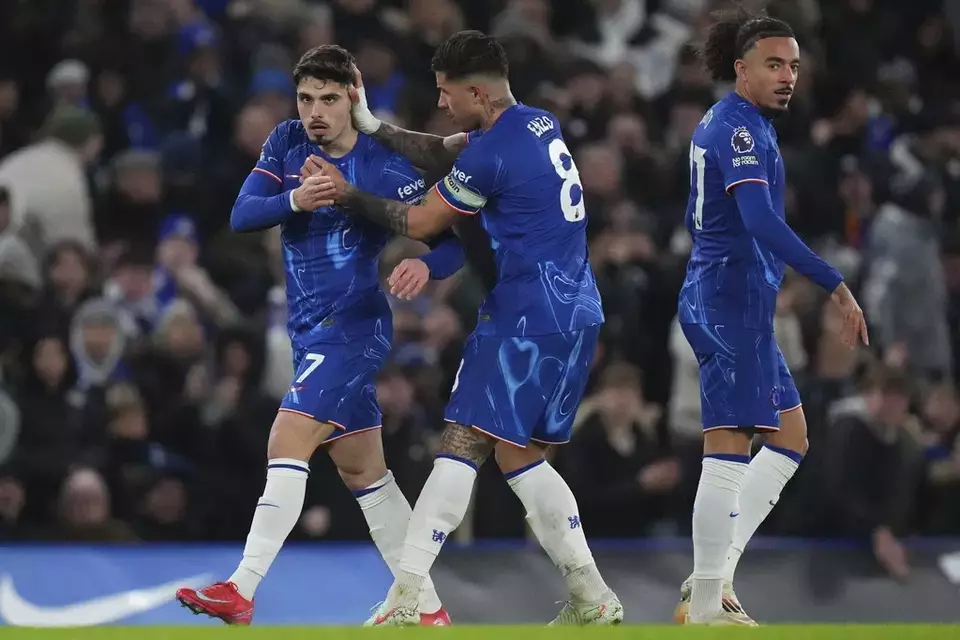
[(67, 84)]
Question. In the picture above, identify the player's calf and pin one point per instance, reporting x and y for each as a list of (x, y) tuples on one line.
[(769, 471), (554, 517), (360, 462), (293, 439), (439, 511), (715, 512)]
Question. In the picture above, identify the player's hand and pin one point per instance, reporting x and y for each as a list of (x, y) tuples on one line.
[(311, 167), (854, 327), (337, 185), (363, 118), (315, 192), (409, 278)]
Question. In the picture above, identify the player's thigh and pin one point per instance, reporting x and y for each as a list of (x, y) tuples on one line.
[(792, 434), (334, 383), (739, 377), (506, 384), (576, 350), (514, 460), (296, 435)]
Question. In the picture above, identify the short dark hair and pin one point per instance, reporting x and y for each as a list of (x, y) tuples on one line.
[(326, 62), (470, 52), (732, 36)]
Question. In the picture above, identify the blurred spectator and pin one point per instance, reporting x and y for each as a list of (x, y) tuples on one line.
[(905, 292), (875, 466), (51, 198), (619, 463), (84, 511), (941, 411)]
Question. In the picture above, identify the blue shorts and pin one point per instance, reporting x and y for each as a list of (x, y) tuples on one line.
[(744, 380), (336, 383), (523, 389)]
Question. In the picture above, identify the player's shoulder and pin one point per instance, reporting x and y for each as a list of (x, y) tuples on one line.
[(539, 122), (394, 174), (378, 156), (732, 124)]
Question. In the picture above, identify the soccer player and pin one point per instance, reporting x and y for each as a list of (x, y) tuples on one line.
[(339, 322), (525, 366), (740, 246)]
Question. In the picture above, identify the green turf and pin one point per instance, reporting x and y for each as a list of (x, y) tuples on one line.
[(658, 632)]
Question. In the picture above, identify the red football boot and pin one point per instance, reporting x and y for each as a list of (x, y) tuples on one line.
[(219, 600), (439, 618)]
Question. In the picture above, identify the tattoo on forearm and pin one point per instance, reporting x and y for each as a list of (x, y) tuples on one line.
[(424, 150), (466, 443), (387, 213)]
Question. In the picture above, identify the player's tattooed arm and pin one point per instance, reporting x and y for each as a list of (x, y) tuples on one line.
[(420, 222), (466, 443), (424, 150), (392, 214)]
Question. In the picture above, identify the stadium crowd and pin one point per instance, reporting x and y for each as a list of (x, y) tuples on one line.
[(143, 348)]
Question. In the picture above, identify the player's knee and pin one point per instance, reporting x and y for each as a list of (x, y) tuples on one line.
[(792, 434), (359, 459), (357, 479), (460, 441), (727, 442), (296, 436), (511, 458)]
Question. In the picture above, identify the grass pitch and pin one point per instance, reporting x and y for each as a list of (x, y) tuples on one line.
[(632, 632)]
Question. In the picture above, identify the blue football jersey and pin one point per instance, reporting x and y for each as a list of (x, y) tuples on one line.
[(520, 176), (731, 279), (332, 259)]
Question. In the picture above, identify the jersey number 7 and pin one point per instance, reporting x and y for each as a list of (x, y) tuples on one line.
[(698, 165), (314, 359), (571, 192)]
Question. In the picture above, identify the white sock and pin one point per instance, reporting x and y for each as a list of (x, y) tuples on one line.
[(769, 471), (388, 514), (439, 510), (278, 511), (555, 519), (715, 513)]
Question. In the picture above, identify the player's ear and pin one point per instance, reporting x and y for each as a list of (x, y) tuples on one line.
[(740, 68)]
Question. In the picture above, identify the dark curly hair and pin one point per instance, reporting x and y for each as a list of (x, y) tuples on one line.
[(732, 36)]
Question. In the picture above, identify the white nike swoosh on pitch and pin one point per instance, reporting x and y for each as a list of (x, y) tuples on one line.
[(16, 611)]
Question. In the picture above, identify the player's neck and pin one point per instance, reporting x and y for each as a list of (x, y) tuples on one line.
[(342, 145), (741, 91), (494, 107)]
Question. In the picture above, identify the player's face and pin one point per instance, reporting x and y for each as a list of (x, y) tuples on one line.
[(461, 101), (769, 72), (324, 108)]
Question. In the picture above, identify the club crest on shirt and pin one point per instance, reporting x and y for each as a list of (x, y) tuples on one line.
[(775, 397), (742, 140)]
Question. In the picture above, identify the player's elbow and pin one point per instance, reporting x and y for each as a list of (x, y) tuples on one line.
[(241, 220), (422, 229)]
